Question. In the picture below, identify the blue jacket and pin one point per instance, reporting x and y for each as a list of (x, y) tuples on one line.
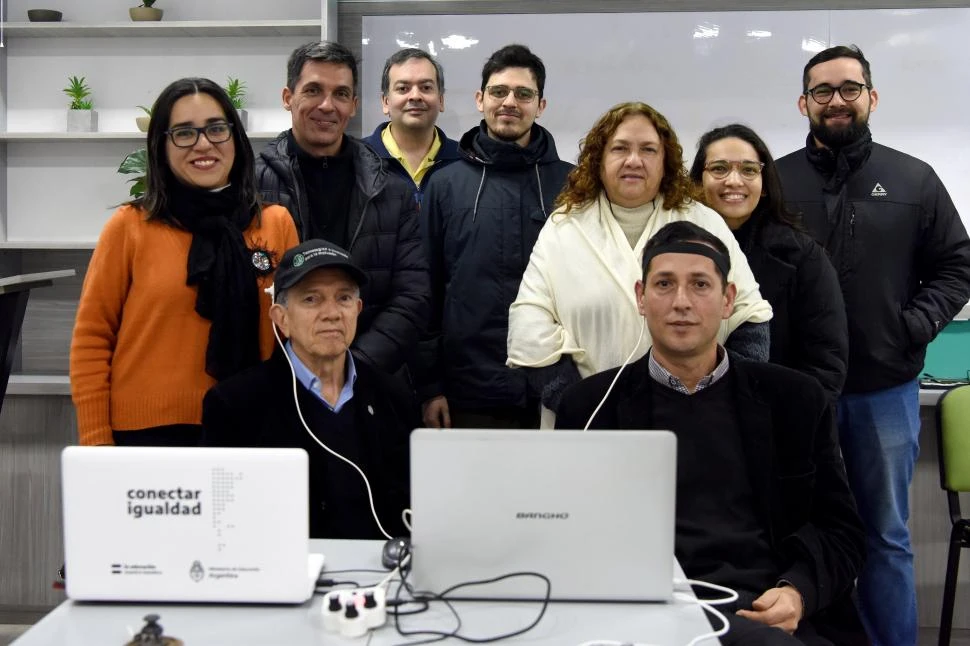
[(481, 217), (446, 154)]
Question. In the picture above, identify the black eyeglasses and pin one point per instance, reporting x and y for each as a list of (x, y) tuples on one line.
[(849, 91), (187, 136), (521, 94)]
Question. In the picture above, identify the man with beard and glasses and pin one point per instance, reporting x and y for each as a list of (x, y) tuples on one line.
[(903, 259), (481, 217), (412, 97)]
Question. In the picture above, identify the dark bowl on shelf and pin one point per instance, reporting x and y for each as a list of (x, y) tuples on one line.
[(44, 15)]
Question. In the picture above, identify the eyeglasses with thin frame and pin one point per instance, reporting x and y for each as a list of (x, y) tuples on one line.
[(721, 168), (849, 91), (187, 136), (522, 94)]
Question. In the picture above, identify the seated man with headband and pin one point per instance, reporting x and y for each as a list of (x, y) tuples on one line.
[(763, 505), (311, 394)]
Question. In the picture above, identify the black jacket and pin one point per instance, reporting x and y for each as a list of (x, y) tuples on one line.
[(792, 458), (385, 242), (447, 153), (808, 327), (898, 245), (255, 408), (482, 215)]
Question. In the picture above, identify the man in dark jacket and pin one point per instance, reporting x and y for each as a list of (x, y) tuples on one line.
[(482, 217), (412, 97), (337, 189), (903, 259), (356, 411), (763, 505)]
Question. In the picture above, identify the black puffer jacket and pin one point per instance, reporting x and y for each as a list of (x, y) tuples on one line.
[(385, 242), (808, 327), (898, 245), (483, 214)]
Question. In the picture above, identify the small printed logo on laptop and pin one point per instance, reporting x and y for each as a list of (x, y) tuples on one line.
[(542, 515), (196, 572), (116, 568), (878, 190)]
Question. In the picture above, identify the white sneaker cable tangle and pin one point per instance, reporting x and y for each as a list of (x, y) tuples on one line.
[(706, 604), (354, 612)]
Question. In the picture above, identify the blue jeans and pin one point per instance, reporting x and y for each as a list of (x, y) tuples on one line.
[(879, 434)]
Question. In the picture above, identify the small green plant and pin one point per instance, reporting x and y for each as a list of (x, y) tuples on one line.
[(136, 163), (236, 90), (79, 92), (147, 111), (147, 3)]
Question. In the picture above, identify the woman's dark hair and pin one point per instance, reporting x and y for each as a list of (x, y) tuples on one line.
[(771, 206), (160, 176)]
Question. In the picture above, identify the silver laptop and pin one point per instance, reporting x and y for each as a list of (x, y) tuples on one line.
[(187, 524), (594, 512)]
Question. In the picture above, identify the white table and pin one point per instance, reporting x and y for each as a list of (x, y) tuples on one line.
[(564, 624)]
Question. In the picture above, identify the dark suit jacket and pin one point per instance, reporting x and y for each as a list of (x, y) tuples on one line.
[(255, 408), (793, 462)]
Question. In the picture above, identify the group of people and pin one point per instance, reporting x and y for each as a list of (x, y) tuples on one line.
[(334, 293)]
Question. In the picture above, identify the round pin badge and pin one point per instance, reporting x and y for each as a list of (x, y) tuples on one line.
[(261, 260)]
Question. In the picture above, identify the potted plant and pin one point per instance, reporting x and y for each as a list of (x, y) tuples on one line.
[(136, 163), (142, 121), (145, 11), (81, 116), (236, 90)]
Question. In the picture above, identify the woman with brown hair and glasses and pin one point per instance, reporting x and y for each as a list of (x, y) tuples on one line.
[(736, 177), (173, 297)]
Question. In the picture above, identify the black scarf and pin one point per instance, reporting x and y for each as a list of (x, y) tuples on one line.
[(220, 265), (836, 165)]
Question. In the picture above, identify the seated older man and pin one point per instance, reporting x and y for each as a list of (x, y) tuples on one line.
[(762, 500), (313, 395)]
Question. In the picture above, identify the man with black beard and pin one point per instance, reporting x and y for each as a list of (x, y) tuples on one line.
[(903, 259), (482, 215)]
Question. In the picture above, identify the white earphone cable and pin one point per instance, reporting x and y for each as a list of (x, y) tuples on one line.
[(296, 401), (643, 326)]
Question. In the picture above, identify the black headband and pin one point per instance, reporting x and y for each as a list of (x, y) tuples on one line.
[(722, 262)]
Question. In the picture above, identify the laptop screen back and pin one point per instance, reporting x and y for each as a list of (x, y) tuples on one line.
[(185, 524), (592, 511)]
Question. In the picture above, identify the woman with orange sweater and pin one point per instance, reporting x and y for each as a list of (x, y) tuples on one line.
[(173, 296)]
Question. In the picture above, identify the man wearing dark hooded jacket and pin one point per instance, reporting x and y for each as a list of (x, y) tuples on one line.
[(481, 217), (336, 188)]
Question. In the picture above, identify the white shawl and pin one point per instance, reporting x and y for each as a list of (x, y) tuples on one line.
[(576, 296)]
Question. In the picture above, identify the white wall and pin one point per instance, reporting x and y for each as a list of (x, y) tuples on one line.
[(702, 69)]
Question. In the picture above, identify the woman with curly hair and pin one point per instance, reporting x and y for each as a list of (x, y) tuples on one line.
[(576, 313)]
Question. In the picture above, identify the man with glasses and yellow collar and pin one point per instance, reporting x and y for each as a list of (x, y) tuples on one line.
[(903, 259), (481, 217)]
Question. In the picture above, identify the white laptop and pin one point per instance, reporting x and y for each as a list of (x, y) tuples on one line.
[(592, 511), (187, 524)]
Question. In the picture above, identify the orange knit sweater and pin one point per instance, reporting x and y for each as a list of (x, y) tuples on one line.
[(138, 350)]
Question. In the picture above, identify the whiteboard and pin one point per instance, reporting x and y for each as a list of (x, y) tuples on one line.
[(702, 69)]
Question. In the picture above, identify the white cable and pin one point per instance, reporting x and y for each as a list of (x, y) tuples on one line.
[(296, 400), (643, 326), (711, 609), (406, 518), (706, 604), (397, 570), (732, 595)]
